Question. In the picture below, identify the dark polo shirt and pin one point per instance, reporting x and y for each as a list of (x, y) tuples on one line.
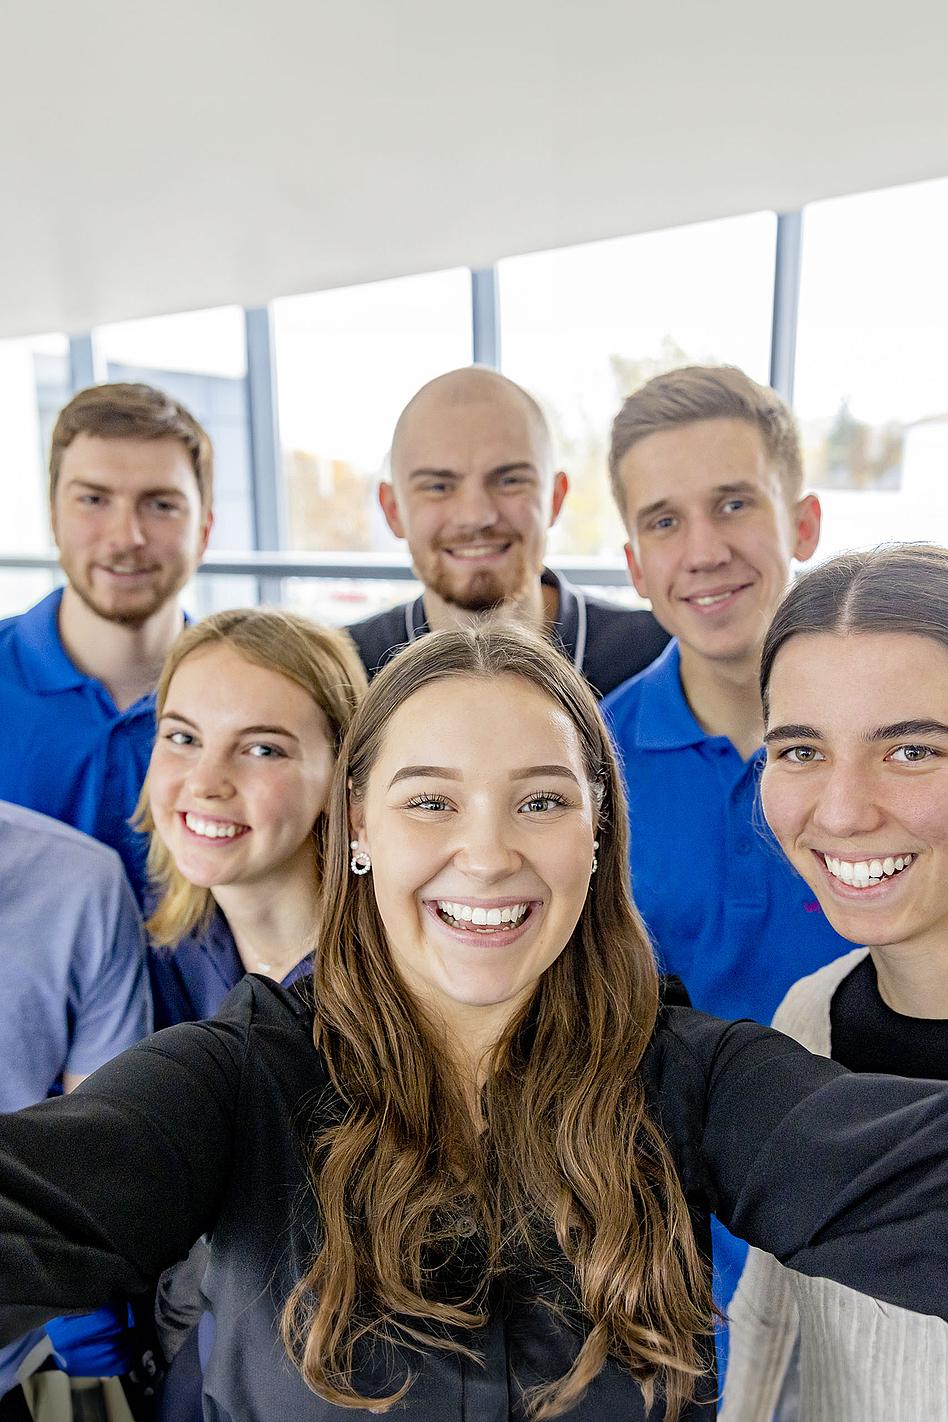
[(606, 643)]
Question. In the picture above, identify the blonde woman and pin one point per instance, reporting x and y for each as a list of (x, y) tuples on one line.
[(252, 706)]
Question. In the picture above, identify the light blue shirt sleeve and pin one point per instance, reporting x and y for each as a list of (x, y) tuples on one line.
[(114, 1008)]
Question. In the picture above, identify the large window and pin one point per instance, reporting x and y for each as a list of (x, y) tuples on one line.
[(347, 361), (199, 357), (34, 384), (871, 385), (583, 326)]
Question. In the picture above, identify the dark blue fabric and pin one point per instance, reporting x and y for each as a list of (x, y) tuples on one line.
[(189, 982), (724, 909), (67, 750)]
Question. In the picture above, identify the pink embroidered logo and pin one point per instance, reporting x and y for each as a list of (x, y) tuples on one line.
[(811, 906)]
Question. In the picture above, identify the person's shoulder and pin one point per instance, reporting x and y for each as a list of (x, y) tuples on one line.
[(622, 703), (69, 845), (621, 642), (378, 637), (258, 1002), (688, 1043), (803, 1013)]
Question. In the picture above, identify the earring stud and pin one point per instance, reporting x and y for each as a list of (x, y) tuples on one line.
[(360, 863)]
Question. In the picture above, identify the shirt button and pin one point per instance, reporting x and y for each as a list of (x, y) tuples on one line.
[(744, 846)]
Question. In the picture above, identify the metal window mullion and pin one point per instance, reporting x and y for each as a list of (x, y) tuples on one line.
[(485, 317), (267, 494), (85, 366), (787, 263)]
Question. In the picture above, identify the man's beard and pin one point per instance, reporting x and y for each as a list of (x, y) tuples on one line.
[(133, 616), (482, 593), (484, 589)]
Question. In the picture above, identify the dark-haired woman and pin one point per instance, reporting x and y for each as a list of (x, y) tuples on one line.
[(855, 685), (469, 1175)]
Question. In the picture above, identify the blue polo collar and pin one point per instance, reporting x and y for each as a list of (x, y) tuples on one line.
[(665, 721), (42, 656)]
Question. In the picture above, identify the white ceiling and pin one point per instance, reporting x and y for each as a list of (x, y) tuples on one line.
[(198, 152)]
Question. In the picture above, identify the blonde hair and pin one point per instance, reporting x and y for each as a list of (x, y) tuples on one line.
[(320, 660), (708, 392)]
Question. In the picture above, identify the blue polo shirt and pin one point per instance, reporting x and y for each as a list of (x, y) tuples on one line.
[(189, 982), (724, 909), (66, 749)]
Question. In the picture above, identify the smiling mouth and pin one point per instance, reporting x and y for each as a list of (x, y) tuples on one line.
[(484, 920), (210, 829), (865, 873), (715, 598), (477, 552)]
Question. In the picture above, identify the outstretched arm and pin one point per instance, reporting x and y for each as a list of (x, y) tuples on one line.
[(839, 1176), (102, 1189)]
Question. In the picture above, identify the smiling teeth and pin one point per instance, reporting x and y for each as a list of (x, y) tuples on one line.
[(712, 598), (481, 551), (863, 873), (481, 917), (211, 829)]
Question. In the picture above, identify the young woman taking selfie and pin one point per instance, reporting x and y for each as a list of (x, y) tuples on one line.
[(468, 1174), (854, 677)]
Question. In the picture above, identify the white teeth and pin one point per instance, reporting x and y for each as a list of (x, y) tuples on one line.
[(715, 597), (482, 551), (481, 917), (209, 829), (862, 873)]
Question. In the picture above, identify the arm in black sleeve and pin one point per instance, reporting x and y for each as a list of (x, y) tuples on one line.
[(102, 1189), (838, 1175)]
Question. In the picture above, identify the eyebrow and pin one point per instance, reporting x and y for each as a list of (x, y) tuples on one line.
[(430, 772), (741, 486), (165, 491), (443, 772), (433, 473), (244, 730), (896, 731)]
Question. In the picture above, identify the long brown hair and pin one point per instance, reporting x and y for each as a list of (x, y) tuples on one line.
[(897, 587), (569, 1165), (320, 660)]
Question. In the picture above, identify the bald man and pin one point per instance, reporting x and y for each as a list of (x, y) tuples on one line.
[(473, 491)]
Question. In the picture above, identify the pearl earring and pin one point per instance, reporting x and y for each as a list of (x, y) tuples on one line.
[(595, 857), (360, 863)]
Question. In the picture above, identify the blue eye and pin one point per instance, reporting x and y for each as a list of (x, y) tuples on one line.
[(543, 801), (180, 738), (427, 802), (260, 751)]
